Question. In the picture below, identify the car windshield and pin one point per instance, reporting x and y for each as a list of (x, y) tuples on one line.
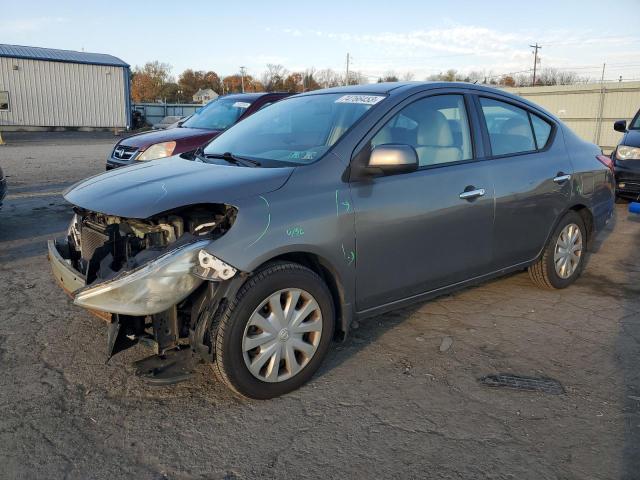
[(218, 115), (297, 130)]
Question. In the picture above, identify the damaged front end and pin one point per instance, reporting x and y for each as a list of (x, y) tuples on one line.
[(151, 279)]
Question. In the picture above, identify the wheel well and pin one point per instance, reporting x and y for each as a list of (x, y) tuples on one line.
[(330, 278), (587, 218)]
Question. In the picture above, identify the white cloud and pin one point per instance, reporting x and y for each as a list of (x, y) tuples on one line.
[(27, 25), (470, 47)]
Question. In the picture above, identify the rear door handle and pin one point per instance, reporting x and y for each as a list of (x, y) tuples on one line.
[(561, 178), (471, 194)]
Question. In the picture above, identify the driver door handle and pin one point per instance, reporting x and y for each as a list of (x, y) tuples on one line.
[(471, 194), (561, 178)]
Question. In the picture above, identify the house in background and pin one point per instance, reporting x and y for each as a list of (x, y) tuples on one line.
[(45, 89), (204, 95)]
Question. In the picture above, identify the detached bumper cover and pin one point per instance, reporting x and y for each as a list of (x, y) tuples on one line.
[(67, 277)]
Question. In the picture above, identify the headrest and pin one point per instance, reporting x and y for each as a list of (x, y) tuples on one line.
[(516, 126), (433, 129)]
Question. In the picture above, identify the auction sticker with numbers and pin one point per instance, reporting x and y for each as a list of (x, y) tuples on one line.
[(361, 99)]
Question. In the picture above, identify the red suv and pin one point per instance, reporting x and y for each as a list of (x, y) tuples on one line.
[(194, 132)]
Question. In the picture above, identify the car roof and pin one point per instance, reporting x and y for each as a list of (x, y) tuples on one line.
[(251, 96), (397, 88)]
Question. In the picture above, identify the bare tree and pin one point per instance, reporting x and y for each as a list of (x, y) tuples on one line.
[(408, 76), (450, 75), (554, 76), (273, 77), (328, 78), (356, 78)]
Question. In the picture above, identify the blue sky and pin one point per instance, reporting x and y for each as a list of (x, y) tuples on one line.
[(419, 36)]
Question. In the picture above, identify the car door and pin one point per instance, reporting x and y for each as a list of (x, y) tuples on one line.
[(531, 173), (420, 231)]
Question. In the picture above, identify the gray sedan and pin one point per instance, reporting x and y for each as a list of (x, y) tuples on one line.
[(324, 208)]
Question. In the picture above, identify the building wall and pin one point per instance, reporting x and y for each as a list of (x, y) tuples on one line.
[(57, 94), (589, 110)]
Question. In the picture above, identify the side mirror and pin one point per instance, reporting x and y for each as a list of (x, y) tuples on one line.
[(620, 126), (391, 159)]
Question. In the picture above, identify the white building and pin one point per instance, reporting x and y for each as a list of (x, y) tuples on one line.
[(204, 95), (47, 88)]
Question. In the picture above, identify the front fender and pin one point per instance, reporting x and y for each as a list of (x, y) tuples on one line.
[(312, 214)]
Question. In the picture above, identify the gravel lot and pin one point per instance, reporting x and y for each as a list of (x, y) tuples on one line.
[(388, 403)]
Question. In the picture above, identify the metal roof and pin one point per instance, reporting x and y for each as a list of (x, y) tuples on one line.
[(54, 55)]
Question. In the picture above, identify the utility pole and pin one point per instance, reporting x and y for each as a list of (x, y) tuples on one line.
[(346, 78), (535, 61), (596, 136), (243, 70)]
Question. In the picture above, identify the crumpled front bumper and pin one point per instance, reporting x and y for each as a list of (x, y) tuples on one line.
[(66, 276)]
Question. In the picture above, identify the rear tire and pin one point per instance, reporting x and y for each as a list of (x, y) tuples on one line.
[(558, 266), (252, 318)]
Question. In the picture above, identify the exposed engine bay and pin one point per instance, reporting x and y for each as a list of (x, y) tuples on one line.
[(103, 245), (129, 262)]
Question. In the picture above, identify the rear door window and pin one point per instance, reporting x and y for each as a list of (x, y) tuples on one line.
[(508, 126)]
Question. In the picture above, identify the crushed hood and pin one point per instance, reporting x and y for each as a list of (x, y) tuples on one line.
[(144, 190)]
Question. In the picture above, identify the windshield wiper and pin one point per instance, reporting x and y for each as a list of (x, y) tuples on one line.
[(234, 159)]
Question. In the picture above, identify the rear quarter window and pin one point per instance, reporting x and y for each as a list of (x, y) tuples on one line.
[(541, 129)]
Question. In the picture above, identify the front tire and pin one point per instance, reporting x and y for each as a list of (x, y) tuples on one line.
[(274, 335), (563, 258)]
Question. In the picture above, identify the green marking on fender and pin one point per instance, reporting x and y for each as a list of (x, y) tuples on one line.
[(265, 228), (337, 207), (296, 231), (350, 257)]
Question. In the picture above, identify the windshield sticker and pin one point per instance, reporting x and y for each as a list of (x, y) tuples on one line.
[(361, 99), (241, 105), (303, 155)]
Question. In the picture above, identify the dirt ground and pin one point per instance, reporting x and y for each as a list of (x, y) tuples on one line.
[(388, 403)]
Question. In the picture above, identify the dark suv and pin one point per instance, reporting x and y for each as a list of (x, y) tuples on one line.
[(195, 131), (326, 207), (626, 159)]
